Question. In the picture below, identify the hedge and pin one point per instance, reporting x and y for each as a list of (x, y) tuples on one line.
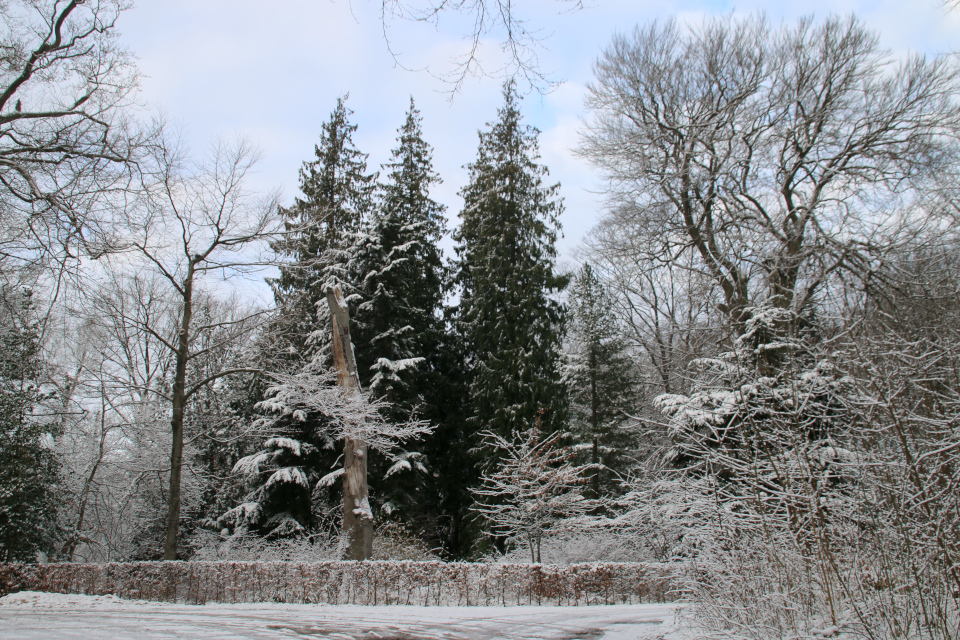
[(362, 583)]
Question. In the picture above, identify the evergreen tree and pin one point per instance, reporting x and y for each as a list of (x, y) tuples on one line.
[(29, 469), (401, 277), (321, 227), (510, 324), (399, 326), (603, 379), (280, 479)]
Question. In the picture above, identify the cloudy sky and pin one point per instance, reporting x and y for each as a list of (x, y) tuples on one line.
[(272, 71)]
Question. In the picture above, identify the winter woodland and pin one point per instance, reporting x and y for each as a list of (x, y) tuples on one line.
[(753, 374)]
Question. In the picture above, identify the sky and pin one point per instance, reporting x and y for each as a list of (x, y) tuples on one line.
[(272, 72)]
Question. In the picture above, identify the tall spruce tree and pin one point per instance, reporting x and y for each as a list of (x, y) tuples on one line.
[(321, 228), (604, 382), (398, 326), (510, 323), (401, 277)]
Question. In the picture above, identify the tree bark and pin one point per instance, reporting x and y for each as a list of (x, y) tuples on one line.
[(357, 517), (176, 422)]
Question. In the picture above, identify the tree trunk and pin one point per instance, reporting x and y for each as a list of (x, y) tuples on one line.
[(176, 422), (357, 517), (594, 420)]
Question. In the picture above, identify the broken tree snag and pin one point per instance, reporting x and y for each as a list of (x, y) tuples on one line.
[(357, 517)]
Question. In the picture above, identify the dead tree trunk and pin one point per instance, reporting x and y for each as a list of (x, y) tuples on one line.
[(357, 517)]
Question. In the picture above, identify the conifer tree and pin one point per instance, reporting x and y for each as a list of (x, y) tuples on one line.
[(401, 277), (29, 469), (321, 227), (603, 379), (510, 323), (403, 349)]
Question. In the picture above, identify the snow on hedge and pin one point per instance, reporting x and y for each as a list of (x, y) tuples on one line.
[(362, 583)]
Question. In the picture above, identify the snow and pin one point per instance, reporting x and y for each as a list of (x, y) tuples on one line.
[(40, 616), (363, 509), (250, 465), (284, 443), (330, 478), (398, 466), (288, 475)]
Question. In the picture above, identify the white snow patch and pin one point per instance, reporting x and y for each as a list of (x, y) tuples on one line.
[(27, 616), (330, 478), (288, 475), (363, 509), (284, 443), (38, 599), (398, 466)]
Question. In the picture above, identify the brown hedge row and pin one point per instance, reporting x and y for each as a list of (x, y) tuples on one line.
[(364, 583)]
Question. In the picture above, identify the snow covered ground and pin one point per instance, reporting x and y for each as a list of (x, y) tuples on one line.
[(47, 616)]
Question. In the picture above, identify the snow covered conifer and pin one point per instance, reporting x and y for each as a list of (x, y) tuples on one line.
[(280, 477), (28, 466), (321, 231), (603, 378), (401, 277), (321, 227), (510, 324)]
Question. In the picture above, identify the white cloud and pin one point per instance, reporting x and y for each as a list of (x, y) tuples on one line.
[(273, 72)]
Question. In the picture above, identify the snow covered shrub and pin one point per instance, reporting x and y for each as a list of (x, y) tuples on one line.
[(815, 503), (395, 541), (248, 547), (534, 491), (758, 488), (586, 544)]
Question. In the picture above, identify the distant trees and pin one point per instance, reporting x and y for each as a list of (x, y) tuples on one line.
[(192, 223), (604, 381)]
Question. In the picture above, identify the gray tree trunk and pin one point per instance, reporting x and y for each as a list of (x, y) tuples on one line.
[(357, 517), (179, 402)]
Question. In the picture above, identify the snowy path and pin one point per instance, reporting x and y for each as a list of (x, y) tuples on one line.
[(35, 616)]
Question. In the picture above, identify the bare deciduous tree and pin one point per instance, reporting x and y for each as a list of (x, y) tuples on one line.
[(192, 227), (533, 489), (65, 138), (780, 157), (516, 38)]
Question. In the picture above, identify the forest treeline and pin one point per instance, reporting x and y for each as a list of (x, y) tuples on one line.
[(754, 370)]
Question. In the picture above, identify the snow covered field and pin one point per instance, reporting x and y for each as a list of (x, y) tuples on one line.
[(46, 616)]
